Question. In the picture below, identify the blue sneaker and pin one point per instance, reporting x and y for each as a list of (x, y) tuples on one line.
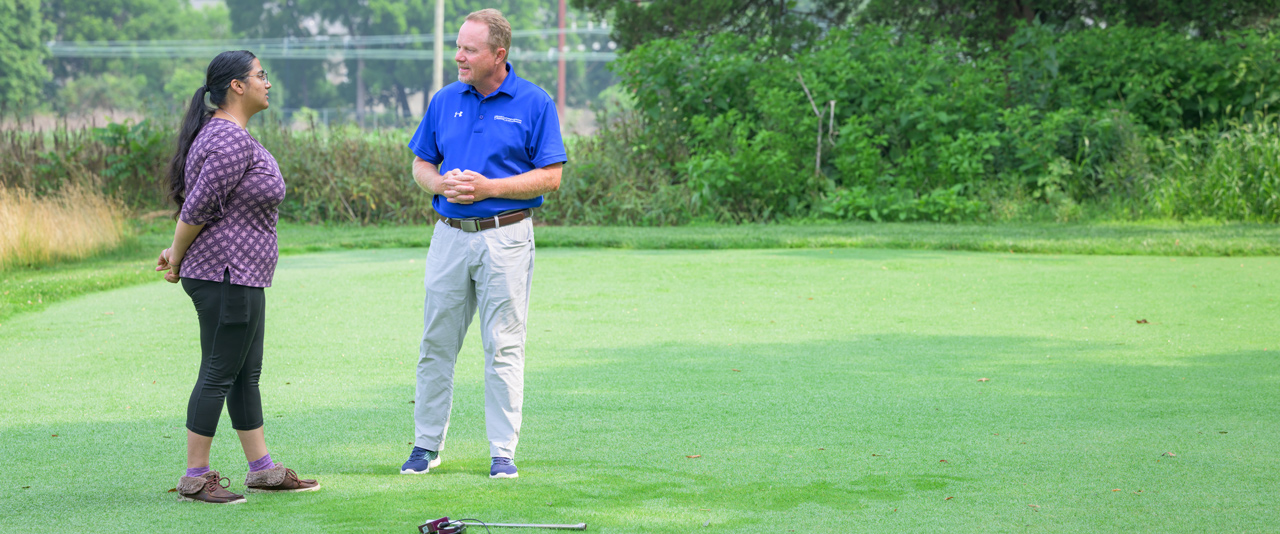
[(420, 461), (503, 468)]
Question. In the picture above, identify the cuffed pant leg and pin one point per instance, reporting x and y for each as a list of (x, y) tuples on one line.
[(448, 308), (503, 284)]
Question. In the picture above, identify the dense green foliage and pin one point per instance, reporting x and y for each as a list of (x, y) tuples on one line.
[(1221, 173), (1165, 80), (785, 22), (120, 159), (22, 73), (85, 85), (340, 174), (1122, 123), (345, 175), (876, 125), (984, 22)]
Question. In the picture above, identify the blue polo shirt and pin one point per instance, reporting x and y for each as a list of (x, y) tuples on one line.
[(511, 132)]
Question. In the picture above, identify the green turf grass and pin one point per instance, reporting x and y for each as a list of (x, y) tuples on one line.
[(816, 390), (27, 290), (32, 289), (1166, 239)]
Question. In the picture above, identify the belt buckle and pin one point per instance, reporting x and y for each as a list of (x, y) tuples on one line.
[(469, 225)]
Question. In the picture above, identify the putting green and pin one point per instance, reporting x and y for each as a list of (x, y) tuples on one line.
[(675, 391)]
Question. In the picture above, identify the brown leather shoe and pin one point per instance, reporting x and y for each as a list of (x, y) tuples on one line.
[(208, 488), (277, 479)]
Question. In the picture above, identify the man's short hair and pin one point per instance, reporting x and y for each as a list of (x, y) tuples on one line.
[(499, 28)]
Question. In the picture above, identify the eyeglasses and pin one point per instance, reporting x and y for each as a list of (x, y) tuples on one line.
[(262, 75)]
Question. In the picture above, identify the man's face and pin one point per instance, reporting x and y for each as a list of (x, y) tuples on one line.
[(477, 63)]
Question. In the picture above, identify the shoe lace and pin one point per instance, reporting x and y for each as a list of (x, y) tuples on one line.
[(498, 460), (214, 483)]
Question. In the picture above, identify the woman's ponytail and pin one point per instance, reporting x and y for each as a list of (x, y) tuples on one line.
[(193, 120), (224, 68)]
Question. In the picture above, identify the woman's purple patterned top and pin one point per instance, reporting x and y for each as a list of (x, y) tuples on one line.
[(233, 188)]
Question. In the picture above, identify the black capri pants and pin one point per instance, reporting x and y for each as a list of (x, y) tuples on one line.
[(232, 318)]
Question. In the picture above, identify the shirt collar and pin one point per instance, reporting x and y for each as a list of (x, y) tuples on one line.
[(508, 85)]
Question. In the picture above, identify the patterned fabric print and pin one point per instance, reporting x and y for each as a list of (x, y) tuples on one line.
[(233, 187)]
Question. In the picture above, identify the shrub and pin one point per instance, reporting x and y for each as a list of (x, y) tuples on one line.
[(120, 159), (1221, 173), (136, 157), (343, 174), (753, 131), (1165, 79), (606, 183), (896, 205), (1062, 118)]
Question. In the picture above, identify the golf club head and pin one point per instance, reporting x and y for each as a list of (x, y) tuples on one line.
[(442, 526)]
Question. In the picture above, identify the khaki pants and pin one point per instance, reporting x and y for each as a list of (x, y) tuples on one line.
[(489, 271)]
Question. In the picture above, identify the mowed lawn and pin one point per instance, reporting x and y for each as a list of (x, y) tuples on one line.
[(759, 391)]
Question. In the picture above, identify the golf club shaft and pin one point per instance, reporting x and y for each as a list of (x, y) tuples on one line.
[(579, 526)]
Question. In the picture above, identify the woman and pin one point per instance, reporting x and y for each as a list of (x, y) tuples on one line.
[(227, 188)]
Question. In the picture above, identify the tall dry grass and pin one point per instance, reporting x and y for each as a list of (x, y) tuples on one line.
[(72, 223)]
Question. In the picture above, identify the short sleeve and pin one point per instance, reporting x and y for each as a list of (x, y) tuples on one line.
[(546, 146), (209, 189), (424, 143)]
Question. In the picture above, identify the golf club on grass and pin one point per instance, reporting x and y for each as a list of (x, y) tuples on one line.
[(457, 526)]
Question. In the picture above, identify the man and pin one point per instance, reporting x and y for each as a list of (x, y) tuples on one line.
[(488, 148)]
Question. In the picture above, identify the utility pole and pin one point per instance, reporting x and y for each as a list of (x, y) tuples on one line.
[(361, 93), (560, 52), (437, 66)]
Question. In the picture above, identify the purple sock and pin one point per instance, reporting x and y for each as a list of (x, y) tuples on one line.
[(197, 471), (261, 464)]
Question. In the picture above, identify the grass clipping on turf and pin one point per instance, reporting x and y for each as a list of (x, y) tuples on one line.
[(73, 223)]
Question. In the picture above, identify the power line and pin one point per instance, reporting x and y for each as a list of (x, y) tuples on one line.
[(330, 40), (333, 55), (326, 47)]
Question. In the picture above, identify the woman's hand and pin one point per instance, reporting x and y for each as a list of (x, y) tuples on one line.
[(166, 262)]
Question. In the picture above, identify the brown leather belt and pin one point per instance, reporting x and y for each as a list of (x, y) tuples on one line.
[(488, 223)]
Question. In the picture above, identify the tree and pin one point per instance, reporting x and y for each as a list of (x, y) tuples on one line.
[(993, 21), (126, 20), (785, 21), (300, 82), (307, 83), (304, 82), (391, 84), (22, 51)]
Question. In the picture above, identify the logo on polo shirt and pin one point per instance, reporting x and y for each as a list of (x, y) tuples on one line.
[(458, 114), (506, 119)]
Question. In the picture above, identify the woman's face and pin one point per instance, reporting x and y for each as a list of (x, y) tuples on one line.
[(256, 87)]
